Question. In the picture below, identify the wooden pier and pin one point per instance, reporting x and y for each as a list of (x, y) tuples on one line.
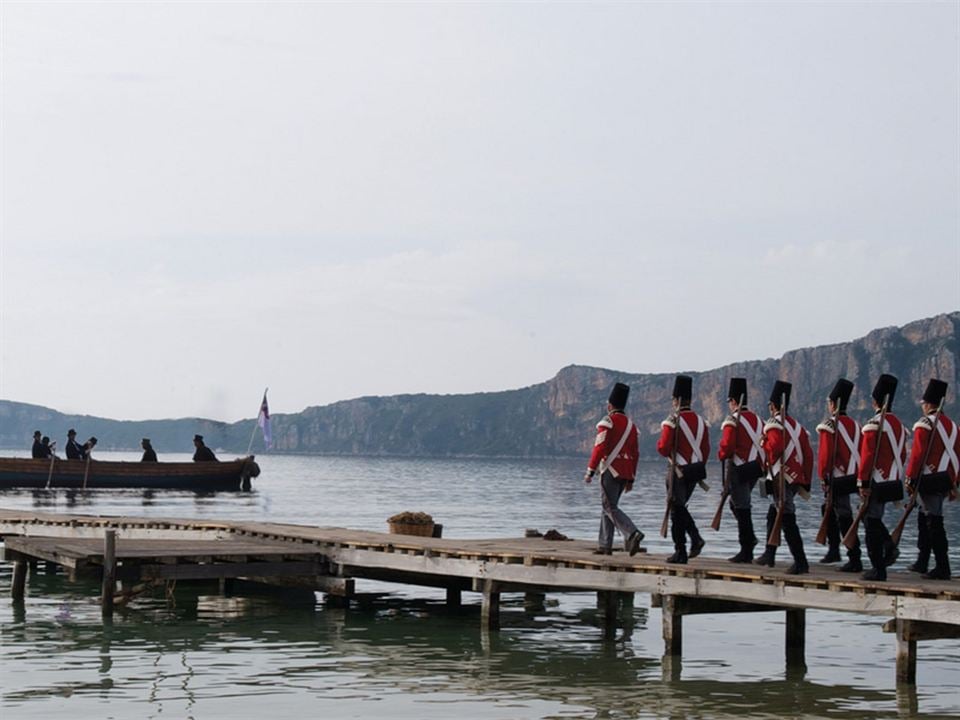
[(142, 552)]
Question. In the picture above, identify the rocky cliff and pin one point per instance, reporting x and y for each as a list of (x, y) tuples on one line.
[(552, 418)]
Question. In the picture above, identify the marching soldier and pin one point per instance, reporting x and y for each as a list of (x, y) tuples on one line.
[(786, 442), (837, 457), (740, 445), (932, 471), (685, 439), (880, 477), (615, 454)]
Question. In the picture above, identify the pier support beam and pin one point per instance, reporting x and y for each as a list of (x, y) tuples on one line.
[(454, 598), (796, 636), (490, 605), (19, 585), (906, 655), (670, 609), (109, 573)]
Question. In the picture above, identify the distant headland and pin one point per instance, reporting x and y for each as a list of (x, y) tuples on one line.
[(550, 419)]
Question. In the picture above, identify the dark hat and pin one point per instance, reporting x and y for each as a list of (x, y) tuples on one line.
[(198, 438), (618, 396), (738, 390), (886, 387), (146, 440), (935, 392), (841, 394), (45, 439), (37, 433), (683, 387), (781, 388), (92, 440), (71, 431)]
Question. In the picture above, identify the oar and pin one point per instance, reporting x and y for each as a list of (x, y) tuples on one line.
[(53, 459), (86, 471)]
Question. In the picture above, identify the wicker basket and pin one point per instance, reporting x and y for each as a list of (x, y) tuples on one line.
[(423, 530)]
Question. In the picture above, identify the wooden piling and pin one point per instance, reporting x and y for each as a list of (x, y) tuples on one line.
[(672, 626), (454, 598), (109, 573), (19, 585), (906, 654), (796, 636), (490, 607)]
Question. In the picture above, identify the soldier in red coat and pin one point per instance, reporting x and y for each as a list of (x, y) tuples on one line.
[(786, 445), (685, 439), (880, 477), (932, 471), (837, 461), (740, 450), (615, 455)]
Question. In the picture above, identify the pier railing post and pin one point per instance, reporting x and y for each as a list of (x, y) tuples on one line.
[(109, 573)]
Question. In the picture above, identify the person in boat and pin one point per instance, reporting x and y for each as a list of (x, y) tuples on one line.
[(932, 471), (47, 447), (149, 454), (74, 449), (685, 441), (37, 451), (615, 454), (87, 447), (203, 453)]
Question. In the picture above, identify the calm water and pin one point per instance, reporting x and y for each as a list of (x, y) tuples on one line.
[(405, 655)]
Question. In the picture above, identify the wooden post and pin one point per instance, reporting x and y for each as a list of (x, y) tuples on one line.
[(906, 655), (672, 626), (490, 608), (19, 586), (607, 601), (454, 598), (109, 573), (796, 635)]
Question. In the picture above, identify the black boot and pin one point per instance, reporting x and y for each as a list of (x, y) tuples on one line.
[(792, 535), (853, 563), (696, 539), (745, 536), (938, 543), (890, 550), (769, 555), (678, 531), (833, 537), (922, 563), (874, 538)]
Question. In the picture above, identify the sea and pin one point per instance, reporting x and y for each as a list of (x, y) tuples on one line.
[(403, 654)]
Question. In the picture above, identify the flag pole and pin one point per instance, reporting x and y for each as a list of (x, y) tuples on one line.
[(256, 421)]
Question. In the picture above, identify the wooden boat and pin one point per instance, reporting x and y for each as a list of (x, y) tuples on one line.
[(204, 476)]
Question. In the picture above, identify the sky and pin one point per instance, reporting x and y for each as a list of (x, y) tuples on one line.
[(200, 200)]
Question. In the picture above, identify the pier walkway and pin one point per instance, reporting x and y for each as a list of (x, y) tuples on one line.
[(141, 552)]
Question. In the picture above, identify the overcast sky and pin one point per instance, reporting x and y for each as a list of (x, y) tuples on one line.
[(203, 199)]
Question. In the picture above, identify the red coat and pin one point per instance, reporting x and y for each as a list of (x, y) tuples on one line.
[(743, 443), (944, 452), (846, 460), (693, 440), (609, 432), (883, 460), (798, 453)]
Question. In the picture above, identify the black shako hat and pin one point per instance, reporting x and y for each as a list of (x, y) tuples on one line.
[(841, 394), (683, 388), (886, 387), (618, 396), (71, 432), (738, 390), (198, 438), (935, 392), (781, 394)]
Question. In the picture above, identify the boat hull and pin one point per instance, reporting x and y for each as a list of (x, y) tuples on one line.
[(207, 476)]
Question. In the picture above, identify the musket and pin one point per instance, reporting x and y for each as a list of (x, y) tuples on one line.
[(821, 538), (723, 469), (670, 475), (850, 539), (774, 538), (915, 495)]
